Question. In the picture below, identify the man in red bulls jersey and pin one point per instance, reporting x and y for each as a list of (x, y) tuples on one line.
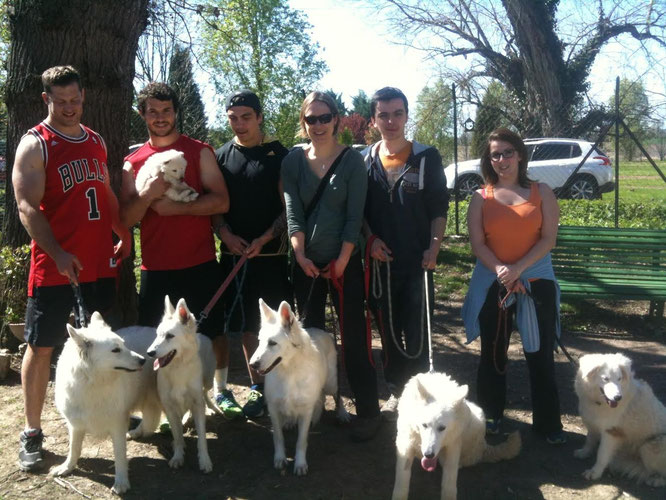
[(177, 244), (66, 204)]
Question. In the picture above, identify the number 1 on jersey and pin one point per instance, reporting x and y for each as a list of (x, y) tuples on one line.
[(93, 212)]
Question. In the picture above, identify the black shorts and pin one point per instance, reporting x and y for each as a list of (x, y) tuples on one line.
[(196, 285), (260, 277), (48, 310)]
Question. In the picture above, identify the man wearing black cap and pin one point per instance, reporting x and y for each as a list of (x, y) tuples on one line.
[(255, 226)]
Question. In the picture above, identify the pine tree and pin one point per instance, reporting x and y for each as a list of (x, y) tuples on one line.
[(191, 116)]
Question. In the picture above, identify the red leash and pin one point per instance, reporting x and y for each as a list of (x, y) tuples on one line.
[(223, 287)]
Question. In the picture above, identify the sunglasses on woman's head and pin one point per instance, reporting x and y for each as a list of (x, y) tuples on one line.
[(312, 119), (506, 154)]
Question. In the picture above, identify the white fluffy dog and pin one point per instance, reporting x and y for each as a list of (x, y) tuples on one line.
[(172, 164), (300, 368), (95, 390), (623, 417), (436, 423), (185, 366)]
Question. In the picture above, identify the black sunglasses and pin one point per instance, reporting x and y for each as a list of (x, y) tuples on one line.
[(506, 154), (312, 119)]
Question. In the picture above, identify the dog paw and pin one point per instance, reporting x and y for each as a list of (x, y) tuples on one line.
[(300, 469), (176, 461), (592, 474), (582, 453), (61, 470), (280, 462), (120, 486), (205, 464)]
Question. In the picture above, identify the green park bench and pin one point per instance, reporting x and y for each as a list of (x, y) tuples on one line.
[(607, 263)]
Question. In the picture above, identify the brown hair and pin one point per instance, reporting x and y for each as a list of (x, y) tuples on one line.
[(157, 90), (505, 135), (321, 97), (60, 76)]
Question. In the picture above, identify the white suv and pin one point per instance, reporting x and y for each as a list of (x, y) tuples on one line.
[(551, 161)]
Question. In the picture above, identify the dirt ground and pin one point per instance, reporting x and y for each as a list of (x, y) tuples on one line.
[(339, 469)]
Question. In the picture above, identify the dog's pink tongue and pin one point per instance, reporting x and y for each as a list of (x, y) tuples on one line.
[(429, 464), (612, 403), (156, 364)]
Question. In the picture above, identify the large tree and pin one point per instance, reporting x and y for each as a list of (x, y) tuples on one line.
[(263, 45), (524, 45), (191, 116), (97, 37)]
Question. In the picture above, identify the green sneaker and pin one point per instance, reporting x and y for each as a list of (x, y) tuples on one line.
[(230, 408), (256, 405)]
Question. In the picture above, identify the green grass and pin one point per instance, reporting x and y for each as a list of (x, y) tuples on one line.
[(456, 261), (640, 182)]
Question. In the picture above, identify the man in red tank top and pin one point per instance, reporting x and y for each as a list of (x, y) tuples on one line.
[(66, 204), (177, 243)]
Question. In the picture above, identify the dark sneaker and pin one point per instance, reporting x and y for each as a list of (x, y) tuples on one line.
[(389, 411), (231, 410), (255, 406), (493, 426), (30, 451), (365, 428), (556, 438)]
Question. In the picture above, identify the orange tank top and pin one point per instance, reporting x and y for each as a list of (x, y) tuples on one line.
[(511, 230)]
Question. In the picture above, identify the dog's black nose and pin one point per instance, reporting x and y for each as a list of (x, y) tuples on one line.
[(151, 354), (618, 397), (429, 455)]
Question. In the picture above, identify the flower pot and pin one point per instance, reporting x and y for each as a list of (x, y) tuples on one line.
[(17, 329)]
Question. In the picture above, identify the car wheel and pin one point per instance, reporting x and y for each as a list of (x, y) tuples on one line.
[(467, 185), (584, 187)]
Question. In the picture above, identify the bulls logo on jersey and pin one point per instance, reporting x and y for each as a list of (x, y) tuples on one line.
[(78, 171)]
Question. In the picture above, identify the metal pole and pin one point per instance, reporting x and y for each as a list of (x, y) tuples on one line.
[(617, 151), (455, 155)]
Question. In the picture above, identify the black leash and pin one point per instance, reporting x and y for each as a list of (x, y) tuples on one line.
[(306, 306), (80, 308)]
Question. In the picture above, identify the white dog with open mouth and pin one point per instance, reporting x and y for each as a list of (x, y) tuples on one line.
[(185, 366), (436, 423), (95, 390), (623, 418), (172, 164), (301, 368)]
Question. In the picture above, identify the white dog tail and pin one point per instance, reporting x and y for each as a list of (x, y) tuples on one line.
[(503, 451)]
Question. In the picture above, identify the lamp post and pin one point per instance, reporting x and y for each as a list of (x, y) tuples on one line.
[(468, 125)]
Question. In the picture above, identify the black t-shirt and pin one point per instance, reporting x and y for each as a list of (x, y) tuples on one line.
[(252, 176)]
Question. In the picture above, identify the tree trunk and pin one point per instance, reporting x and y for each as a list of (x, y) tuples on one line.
[(542, 66), (99, 38)]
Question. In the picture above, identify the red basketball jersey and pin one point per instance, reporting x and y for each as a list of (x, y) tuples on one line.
[(75, 204), (175, 241)]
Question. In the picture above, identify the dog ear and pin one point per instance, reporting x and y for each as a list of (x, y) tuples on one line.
[(462, 391), (423, 392), (588, 365), (184, 314), (168, 306), (625, 366), (81, 342), (286, 315), (97, 318), (267, 313)]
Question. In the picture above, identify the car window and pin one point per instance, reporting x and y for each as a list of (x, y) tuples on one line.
[(576, 151), (530, 149), (551, 151)]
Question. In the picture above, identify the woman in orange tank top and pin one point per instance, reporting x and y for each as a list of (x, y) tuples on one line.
[(512, 225)]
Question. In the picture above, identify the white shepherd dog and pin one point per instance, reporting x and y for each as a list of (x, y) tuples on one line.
[(301, 368), (95, 390), (185, 366), (437, 423), (623, 417), (172, 164)]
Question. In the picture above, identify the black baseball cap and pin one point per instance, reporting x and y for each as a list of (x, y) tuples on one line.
[(243, 98)]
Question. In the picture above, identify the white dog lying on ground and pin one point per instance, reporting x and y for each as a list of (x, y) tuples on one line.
[(437, 423), (623, 417), (95, 390), (300, 368), (185, 366), (172, 164)]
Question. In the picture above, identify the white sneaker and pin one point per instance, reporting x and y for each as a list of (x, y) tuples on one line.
[(389, 409)]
